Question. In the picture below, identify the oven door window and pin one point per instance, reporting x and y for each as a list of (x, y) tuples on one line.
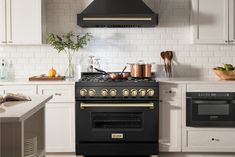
[(212, 110), (114, 120)]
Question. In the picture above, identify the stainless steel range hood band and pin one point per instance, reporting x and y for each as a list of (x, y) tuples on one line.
[(116, 19)]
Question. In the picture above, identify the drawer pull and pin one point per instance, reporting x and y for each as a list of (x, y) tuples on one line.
[(171, 92), (215, 139), (58, 94)]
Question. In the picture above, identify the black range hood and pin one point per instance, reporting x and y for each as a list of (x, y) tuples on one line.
[(117, 13)]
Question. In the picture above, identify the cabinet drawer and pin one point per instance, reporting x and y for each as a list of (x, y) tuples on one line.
[(167, 92), (211, 141), (22, 89), (61, 93)]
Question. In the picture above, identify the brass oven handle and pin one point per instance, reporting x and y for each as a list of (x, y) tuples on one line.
[(138, 105)]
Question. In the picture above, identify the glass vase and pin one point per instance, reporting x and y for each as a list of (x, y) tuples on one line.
[(70, 71)]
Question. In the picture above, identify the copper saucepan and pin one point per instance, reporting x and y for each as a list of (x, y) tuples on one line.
[(115, 75), (141, 70), (136, 70)]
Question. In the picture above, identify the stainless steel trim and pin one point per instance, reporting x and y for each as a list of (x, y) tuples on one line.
[(117, 19), (119, 105)]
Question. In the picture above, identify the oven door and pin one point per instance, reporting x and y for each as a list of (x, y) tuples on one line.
[(210, 112), (117, 122)]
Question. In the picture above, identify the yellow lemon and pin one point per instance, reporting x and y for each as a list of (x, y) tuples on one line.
[(51, 73)]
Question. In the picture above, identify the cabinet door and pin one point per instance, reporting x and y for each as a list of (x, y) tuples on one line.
[(25, 22), (210, 21), (61, 93), (232, 21), (60, 127), (22, 89), (3, 22), (170, 118)]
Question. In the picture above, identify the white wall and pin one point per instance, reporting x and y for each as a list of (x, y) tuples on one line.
[(117, 46)]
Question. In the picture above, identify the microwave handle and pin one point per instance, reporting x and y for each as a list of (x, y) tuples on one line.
[(210, 101)]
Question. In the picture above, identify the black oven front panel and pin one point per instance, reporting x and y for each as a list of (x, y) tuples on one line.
[(117, 124)]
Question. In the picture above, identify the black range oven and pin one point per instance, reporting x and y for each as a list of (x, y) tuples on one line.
[(117, 118), (210, 109)]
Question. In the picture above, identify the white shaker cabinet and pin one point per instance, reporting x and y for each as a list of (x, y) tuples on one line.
[(22, 89), (60, 118), (60, 127), (3, 22), (231, 21), (171, 99), (209, 21), (21, 22)]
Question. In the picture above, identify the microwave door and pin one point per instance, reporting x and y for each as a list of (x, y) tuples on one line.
[(210, 112)]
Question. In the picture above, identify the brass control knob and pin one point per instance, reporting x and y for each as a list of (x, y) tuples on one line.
[(83, 92), (134, 92), (104, 92), (125, 92), (142, 92), (150, 92), (113, 92), (91, 92)]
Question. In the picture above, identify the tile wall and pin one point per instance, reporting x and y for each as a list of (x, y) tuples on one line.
[(118, 46)]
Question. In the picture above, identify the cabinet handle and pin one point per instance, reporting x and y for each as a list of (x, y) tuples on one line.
[(171, 92), (4, 42), (160, 100), (215, 139), (226, 41), (58, 94), (231, 40)]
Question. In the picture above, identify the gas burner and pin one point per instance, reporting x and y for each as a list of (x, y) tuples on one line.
[(99, 77)]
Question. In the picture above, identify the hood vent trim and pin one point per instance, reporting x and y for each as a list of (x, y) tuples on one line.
[(112, 13)]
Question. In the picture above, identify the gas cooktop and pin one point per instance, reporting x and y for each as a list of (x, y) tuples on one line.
[(99, 77), (97, 85)]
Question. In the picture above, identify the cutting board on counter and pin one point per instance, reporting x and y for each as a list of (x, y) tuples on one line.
[(46, 78)]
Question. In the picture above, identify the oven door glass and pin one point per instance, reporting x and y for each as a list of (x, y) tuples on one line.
[(212, 110), (117, 122)]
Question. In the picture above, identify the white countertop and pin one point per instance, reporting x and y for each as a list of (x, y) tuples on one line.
[(187, 80), (178, 80), (26, 81), (21, 110)]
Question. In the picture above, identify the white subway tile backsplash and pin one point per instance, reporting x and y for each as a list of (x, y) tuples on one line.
[(118, 46)]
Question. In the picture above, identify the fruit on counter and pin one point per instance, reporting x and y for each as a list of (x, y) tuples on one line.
[(52, 72), (227, 67)]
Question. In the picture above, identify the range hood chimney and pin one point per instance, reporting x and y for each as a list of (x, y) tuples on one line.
[(117, 13)]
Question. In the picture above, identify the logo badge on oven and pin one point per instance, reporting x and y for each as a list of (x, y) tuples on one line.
[(117, 136)]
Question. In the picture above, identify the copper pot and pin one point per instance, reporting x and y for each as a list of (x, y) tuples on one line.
[(147, 70), (136, 70)]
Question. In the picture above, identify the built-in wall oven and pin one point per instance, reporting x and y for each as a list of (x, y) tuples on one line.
[(210, 109)]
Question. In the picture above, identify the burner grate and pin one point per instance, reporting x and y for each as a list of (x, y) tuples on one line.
[(99, 77)]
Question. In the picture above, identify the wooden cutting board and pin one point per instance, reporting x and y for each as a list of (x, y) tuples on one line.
[(46, 78)]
